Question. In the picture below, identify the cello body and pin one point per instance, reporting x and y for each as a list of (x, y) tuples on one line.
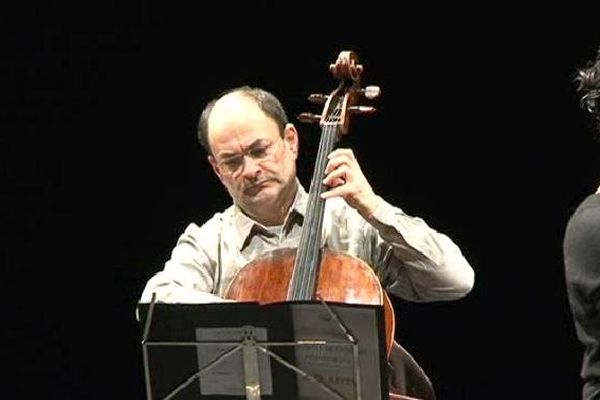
[(342, 278)]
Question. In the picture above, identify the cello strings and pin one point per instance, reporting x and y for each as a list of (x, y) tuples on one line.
[(307, 257), (316, 226)]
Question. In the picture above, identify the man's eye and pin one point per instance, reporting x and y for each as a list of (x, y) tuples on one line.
[(258, 152), (232, 163)]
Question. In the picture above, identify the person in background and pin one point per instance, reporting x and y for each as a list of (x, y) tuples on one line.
[(581, 249)]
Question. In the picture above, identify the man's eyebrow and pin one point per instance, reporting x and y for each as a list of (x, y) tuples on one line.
[(228, 154), (231, 154)]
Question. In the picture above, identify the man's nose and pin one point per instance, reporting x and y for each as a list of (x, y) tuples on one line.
[(250, 167)]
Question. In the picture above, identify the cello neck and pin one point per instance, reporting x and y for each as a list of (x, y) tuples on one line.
[(306, 266), (334, 121)]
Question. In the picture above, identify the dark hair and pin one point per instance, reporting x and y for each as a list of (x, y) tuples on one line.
[(265, 100), (589, 85)]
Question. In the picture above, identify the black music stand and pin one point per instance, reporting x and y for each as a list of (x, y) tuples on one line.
[(288, 351)]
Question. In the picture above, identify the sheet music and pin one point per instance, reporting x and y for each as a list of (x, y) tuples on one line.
[(334, 364), (227, 377)]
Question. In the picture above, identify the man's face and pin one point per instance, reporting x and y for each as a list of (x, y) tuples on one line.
[(252, 160)]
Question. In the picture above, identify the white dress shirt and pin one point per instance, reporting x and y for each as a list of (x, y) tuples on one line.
[(412, 260)]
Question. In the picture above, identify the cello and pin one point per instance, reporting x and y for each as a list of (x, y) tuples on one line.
[(311, 272)]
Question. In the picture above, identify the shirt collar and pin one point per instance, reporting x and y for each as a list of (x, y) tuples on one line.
[(244, 224)]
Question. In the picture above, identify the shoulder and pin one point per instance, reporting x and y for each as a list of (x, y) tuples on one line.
[(583, 228), (587, 214)]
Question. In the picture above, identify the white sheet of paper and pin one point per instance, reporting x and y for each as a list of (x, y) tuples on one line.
[(227, 377), (334, 365)]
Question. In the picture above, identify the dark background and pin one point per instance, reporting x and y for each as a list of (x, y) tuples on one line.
[(478, 131)]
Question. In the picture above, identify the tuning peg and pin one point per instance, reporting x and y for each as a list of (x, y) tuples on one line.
[(317, 98), (309, 118), (361, 110), (371, 92)]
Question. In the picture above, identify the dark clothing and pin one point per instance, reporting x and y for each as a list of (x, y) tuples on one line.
[(582, 271), (408, 378)]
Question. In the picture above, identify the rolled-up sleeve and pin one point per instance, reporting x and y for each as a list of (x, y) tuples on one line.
[(415, 261)]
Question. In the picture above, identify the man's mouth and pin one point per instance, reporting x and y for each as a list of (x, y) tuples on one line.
[(255, 187)]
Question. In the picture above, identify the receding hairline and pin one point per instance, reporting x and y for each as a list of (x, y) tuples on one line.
[(266, 101)]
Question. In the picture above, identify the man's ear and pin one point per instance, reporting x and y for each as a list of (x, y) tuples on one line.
[(290, 137), (215, 167)]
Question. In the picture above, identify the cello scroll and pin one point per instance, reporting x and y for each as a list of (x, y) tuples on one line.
[(342, 102)]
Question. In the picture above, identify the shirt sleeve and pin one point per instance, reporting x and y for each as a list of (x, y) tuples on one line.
[(416, 262), (188, 276)]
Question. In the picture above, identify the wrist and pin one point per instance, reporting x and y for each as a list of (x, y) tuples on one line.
[(370, 207)]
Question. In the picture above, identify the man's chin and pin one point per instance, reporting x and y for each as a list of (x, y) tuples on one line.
[(266, 196), (260, 194), (260, 189)]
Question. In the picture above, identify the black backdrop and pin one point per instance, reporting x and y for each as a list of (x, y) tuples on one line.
[(478, 131)]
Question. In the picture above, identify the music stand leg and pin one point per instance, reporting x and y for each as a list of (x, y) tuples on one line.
[(251, 375)]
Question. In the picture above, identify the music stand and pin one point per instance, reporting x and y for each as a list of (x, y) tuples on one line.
[(244, 350)]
